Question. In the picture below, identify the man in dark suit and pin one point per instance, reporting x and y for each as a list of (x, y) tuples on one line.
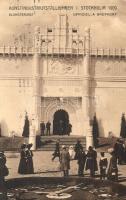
[(91, 162), (48, 125), (81, 162), (42, 128), (119, 151)]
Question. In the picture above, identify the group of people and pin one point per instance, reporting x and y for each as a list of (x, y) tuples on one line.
[(26, 161), (45, 128), (86, 161), (76, 153), (61, 128)]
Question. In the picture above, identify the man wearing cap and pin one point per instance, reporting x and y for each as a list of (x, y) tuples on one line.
[(65, 161)]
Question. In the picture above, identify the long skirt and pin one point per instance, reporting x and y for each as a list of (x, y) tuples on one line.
[(22, 169), (30, 168)]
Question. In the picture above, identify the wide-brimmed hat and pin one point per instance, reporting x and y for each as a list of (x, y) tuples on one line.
[(110, 150), (23, 146), (71, 147), (63, 146), (30, 145)]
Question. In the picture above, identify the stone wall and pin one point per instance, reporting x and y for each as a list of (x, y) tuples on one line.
[(63, 77), (15, 66), (110, 93), (109, 66), (15, 93)]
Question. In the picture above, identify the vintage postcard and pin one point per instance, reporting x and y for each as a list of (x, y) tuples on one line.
[(62, 99)]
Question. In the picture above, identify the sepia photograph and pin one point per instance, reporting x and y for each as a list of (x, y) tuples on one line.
[(62, 99)]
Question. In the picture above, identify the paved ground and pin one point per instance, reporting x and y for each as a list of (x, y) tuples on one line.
[(44, 166)]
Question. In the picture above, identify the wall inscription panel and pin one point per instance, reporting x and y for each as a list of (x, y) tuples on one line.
[(110, 67)]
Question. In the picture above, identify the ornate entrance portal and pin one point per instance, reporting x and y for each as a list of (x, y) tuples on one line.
[(60, 122), (62, 115)]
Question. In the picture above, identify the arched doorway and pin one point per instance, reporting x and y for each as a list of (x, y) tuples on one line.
[(60, 122)]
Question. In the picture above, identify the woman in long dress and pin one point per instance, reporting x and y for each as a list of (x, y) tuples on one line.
[(22, 169), (29, 154)]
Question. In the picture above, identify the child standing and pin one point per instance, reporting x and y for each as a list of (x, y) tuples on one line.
[(103, 163)]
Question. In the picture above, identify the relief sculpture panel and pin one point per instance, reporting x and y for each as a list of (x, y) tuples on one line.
[(64, 66)]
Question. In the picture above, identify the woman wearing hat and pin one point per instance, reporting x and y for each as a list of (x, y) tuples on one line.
[(29, 154), (71, 152), (65, 161), (22, 169)]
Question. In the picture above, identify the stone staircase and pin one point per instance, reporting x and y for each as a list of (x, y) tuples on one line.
[(44, 143), (47, 143)]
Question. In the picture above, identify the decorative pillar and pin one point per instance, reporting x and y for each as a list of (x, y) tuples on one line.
[(32, 136), (36, 98), (86, 90)]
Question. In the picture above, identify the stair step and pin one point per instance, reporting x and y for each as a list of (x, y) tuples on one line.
[(47, 143)]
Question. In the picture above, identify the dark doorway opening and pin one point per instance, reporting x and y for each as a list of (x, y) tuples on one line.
[(60, 122)]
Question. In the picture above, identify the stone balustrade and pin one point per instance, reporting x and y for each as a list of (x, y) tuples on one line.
[(108, 52), (13, 50)]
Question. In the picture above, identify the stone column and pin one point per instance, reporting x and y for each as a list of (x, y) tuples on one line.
[(86, 90), (36, 85)]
